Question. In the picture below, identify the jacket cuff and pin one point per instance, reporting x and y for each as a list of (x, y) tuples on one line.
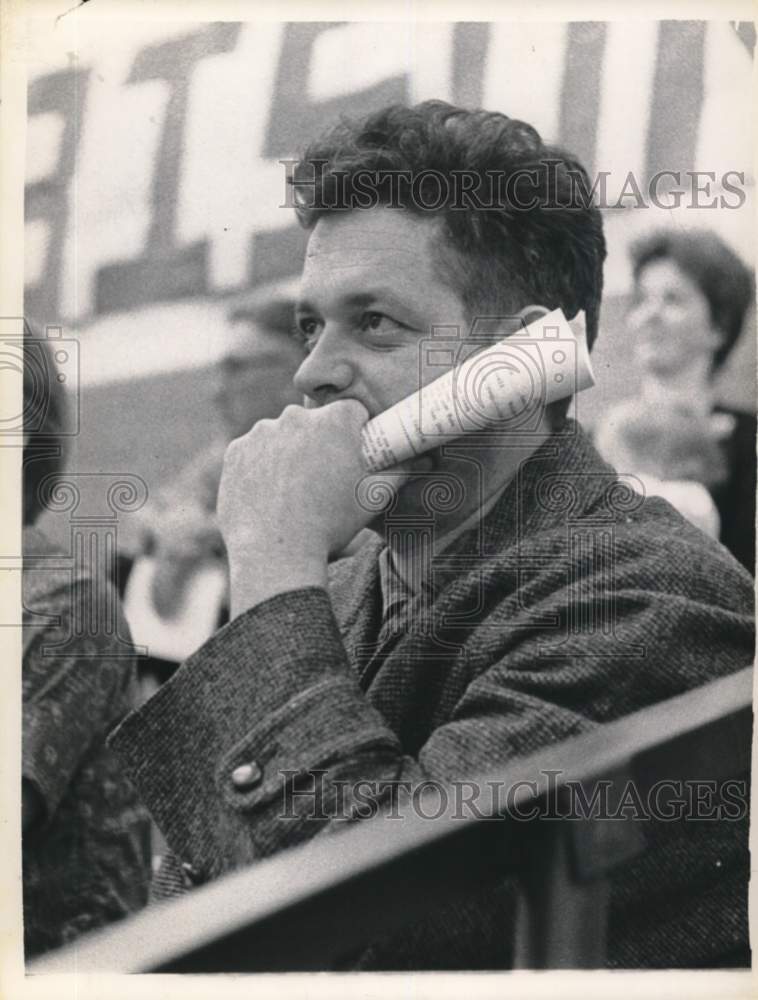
[(272, 690)]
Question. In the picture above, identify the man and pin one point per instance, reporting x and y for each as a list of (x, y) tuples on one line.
[(458, 645)]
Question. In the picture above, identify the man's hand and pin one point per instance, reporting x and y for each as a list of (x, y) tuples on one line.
[(287, 499)]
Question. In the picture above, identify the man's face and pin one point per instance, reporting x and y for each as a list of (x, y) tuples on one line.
[(369, 295), (254, 376)]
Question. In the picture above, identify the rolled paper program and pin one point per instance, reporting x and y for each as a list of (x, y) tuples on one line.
[(500, 388)]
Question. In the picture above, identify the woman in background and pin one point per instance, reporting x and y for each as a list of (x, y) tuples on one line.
[(86, 838), (690, 299)]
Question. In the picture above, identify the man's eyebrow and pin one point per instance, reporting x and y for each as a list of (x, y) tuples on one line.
[(359, 300), (304, 306)]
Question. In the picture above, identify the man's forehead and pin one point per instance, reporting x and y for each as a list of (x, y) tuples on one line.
[(377, 255), (373, 231)]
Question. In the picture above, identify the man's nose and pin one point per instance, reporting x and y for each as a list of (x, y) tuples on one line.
[(326, 371)]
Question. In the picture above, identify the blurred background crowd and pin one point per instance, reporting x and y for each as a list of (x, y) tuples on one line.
[(159, 244)]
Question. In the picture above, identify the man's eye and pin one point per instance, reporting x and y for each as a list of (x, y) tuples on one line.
[(306, 330), (378, 322)]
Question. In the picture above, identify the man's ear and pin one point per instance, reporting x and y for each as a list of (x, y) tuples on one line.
[(531, 313)]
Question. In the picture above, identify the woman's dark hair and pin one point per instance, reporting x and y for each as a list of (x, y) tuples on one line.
[(520, 224), (44, 423), (715, 268)]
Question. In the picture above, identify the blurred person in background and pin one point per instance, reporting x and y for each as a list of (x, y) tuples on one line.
[(690, 298), (86, 837), (253, 381)]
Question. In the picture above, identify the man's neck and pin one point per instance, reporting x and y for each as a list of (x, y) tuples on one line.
[(460, 492)]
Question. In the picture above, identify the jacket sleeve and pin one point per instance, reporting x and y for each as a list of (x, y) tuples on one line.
[(274, 691)]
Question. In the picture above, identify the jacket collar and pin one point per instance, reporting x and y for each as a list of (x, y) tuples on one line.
[(563, 478)]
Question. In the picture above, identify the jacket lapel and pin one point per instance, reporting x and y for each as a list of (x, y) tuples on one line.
[(562, 466), (563, 477), (356, 597)]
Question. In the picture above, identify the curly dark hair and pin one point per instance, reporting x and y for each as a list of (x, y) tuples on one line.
[(538, 237), (715, 268)]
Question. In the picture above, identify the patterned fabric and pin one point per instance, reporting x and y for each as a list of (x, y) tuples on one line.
[(86, 861), (509, 656)]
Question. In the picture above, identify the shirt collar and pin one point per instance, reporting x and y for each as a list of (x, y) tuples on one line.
[(402, 575)]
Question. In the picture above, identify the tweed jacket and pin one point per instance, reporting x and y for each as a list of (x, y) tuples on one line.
[(574, 603)]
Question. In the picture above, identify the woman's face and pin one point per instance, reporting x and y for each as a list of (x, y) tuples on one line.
[(670, 320)]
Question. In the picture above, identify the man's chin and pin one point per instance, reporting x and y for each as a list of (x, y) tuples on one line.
[(410, 501)]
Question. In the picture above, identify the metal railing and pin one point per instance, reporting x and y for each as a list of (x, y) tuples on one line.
[(335, 894)]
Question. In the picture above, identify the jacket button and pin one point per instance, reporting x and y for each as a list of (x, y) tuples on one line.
[(246, 776), (192, 873)]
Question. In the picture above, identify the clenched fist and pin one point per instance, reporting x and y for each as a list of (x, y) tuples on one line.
[(287, 499)]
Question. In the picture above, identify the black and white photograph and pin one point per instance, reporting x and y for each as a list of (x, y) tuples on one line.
[(378, 436)]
